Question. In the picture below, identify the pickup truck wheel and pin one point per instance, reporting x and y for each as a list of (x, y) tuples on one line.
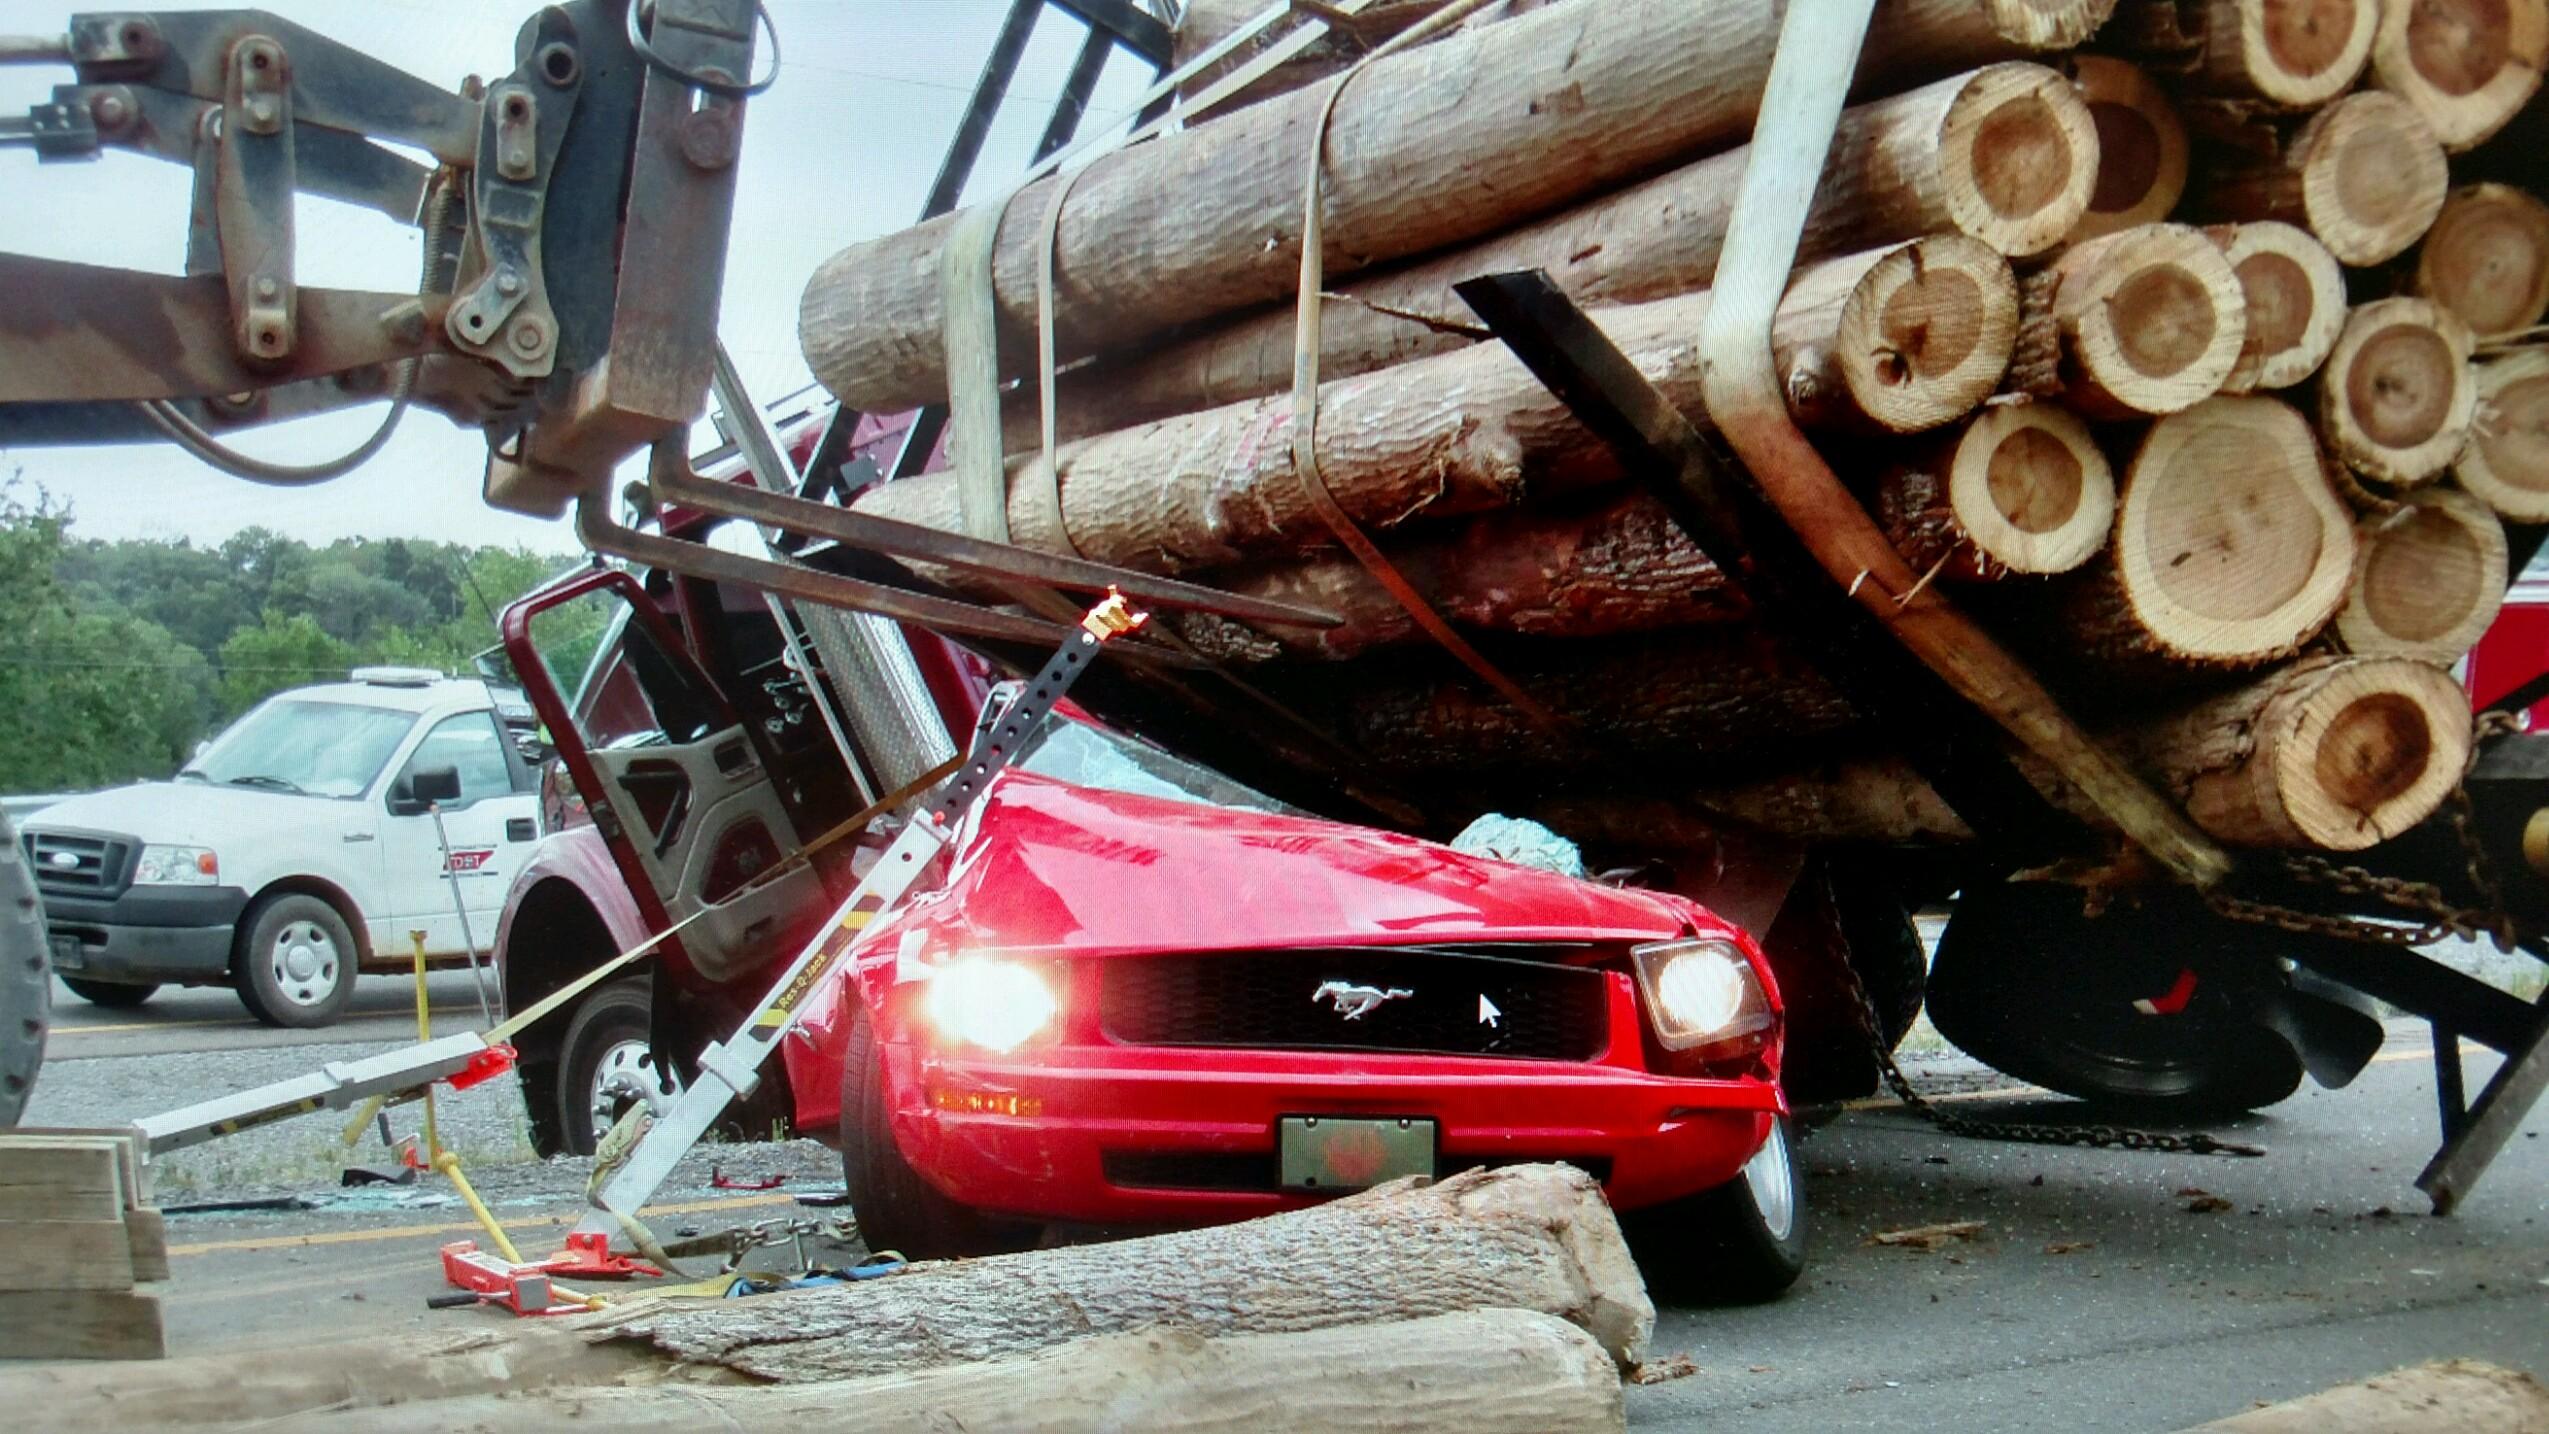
[(897, 1209), (26, 978), (295, 965), (605, 1049), (1739, 1243), (114, 995)]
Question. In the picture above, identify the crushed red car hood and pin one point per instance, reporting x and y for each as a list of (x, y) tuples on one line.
[(1056, 869)]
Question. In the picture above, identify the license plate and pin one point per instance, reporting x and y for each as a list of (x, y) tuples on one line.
[(1325, 1152), (66, 954)]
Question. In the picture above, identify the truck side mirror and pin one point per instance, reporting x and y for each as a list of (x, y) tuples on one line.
[(420, 787)]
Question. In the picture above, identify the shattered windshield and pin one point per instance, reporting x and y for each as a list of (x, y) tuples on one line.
[(1091, 756)]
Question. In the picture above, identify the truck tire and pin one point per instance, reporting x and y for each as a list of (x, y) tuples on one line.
[(113, 995), (1740, 1243), (607, 1037), (295, 961), (896, 1208), (2029, 985), (26, 978)]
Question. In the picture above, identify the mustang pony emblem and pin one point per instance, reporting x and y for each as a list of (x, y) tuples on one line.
[(1354, 1002)]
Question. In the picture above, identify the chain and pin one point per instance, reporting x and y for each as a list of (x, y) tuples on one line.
[(742, 1240)]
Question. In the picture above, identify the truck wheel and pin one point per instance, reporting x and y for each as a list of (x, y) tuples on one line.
[(896, 1208), (1740, 1243), (2030, 986), (26, 978), (607, 1040), (114, 995), (295, 966)]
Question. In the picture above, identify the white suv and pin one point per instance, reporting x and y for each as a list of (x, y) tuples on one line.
[(295, 849)]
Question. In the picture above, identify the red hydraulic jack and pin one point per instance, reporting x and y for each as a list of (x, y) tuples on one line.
[(525, 1287)]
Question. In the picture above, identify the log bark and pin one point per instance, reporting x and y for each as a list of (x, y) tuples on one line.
[(1534, 1237), (2507, 460), (1496, 1371), (1206, 22), (1434, 146), (2022, 489), (2295, 295), (1686, 698), (2292, 54), (1612, 563), (2459, 1394), (2429, 576), (2397, 398), (2005, 154), (2140, 322), (1473, 430), (2467, 66), (2231, 548), (2486, 259), (2142, 150), (2365, 175), (2328, 754)]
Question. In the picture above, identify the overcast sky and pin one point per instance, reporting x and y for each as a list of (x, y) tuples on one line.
[(844, 147)]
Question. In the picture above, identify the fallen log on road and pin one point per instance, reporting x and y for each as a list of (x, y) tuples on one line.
[(1491, 1371), (2466, 1396)]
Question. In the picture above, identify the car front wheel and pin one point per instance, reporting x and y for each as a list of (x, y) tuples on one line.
[(295, 967), (1739, 1243), (897, 1209)]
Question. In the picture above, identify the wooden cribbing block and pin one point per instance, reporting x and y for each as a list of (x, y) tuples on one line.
[(65, 1255), (82, 1324)]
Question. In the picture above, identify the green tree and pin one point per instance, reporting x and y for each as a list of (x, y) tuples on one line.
[(279, 652)]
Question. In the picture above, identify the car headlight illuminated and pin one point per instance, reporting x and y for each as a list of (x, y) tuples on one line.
[(988, 1002), (1703, 996), (176, 866)]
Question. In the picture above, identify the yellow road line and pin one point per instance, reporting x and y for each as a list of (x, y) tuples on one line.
[(456, 1227), (60, 1031)]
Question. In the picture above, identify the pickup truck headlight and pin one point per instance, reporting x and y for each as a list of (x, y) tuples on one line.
[(176, 866), (985, 1001), (1704, 998)]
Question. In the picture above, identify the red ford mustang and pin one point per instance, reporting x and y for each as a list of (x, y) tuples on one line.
[(1143, 995)]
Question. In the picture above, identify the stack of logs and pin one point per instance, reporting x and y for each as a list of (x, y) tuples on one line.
[(2155, 331)]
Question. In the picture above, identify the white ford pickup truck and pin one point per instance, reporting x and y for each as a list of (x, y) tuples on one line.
[(295, 849)]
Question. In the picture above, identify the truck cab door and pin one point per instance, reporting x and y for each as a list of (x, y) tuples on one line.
[(487, 824), (668, 772)]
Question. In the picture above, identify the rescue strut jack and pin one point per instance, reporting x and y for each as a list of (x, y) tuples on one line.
[(730, 1069)]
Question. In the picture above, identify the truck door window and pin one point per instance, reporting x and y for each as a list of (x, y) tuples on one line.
[(627, 692), (470, 743)]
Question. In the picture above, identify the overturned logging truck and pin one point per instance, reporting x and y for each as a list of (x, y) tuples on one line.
[(1823, 459)]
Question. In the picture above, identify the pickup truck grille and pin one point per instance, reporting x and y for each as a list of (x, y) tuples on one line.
[(80, 863), (1534, 1009)]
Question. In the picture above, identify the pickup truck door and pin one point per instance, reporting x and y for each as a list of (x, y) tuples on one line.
[(491, 828), (667, 770)]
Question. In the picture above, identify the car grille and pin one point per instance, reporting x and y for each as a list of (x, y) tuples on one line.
[(1268, 1000), (80, 863)]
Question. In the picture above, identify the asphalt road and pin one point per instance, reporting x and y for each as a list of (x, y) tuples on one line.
[(210, 1018), (2092, 1298)]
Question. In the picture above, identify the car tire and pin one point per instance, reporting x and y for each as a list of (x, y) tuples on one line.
[(1739, 1243), (609, 1033), (26, 978), (113, 995), (296, 961), (897, 1209), (2029, 985)]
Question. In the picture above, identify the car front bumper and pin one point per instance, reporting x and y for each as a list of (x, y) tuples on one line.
[(1115, 1134), (147, 934)]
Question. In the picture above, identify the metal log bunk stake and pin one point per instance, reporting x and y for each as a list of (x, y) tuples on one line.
[(1809, 77), (730, 1069)]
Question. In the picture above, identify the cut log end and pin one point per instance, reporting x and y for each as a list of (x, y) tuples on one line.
[(2295, 292), (2373, 176), (2467, 66), (2344, 755), (2507, 460), (2030, 488), (2141, 167), (2300, 54), (2152, 320), (2487, 259), (2231, 547), (1925, 334), (2429, 576), (2018, 158), (2397, 399), (2047, 24)]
